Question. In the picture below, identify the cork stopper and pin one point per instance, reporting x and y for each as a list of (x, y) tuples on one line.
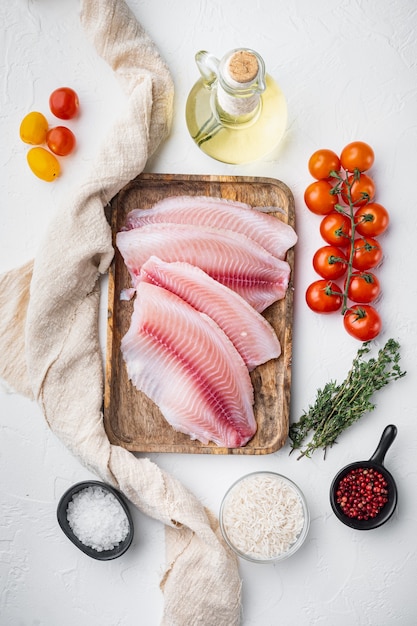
[(243, 66)]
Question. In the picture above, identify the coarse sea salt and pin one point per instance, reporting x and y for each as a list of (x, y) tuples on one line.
[(97, 518)]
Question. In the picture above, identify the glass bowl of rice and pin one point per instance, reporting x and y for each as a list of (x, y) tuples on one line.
[(264, 517), (96, 518)]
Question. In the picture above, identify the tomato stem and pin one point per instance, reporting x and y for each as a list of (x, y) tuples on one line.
[(350, 212), (336, 259)]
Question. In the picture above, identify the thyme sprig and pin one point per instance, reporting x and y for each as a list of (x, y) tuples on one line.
[(337, 406)]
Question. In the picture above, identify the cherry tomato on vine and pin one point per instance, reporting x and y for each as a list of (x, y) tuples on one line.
[(324, 296), (371, 220), (322, 162), (318, 197), (43, 164), (335, 228), (363, 287), (357, 155), (363, 322), (64, 103), (362, 190), (367, 253), (60, 140), (330, 262)]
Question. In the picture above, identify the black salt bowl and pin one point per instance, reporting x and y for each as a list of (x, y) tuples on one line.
[(103, 555), (376, 462)]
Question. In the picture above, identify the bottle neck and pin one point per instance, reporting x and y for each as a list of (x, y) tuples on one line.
[(241, 80), (236, 105)]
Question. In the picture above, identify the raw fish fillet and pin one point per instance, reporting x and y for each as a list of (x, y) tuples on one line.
[(186, 364), (269, 231), (231, 258), (251, 334)]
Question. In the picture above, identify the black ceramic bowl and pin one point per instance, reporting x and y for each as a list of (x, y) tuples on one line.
[(104, 555), (376, 462)]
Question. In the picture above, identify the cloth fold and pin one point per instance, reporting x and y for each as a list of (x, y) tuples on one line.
[(49, 330)]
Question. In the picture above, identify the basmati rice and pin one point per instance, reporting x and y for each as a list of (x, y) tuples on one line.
[(263, 516)]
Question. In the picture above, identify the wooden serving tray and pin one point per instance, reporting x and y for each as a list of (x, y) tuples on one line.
[(132, 420)]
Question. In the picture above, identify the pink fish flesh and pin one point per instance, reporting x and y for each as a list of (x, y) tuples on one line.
[(251, 334), (186, 364), (270, 232), (231, 258)]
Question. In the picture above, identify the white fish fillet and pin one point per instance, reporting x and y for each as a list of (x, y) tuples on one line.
[(248, 330), (270, 232), (186, 364), (231, 258)]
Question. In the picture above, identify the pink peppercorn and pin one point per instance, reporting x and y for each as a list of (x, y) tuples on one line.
[(362, 493)]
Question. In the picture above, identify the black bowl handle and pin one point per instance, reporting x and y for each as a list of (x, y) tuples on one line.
[(387, 437)]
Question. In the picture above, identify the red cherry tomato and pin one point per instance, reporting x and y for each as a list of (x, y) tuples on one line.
[(330, 262), (335, 228), (363, 322), (367, 253), (324, 296), (371, 220), (322, 162), (357, 155), (319, 199), (362, 190), (363, 287), (64, 103), (60, 140)]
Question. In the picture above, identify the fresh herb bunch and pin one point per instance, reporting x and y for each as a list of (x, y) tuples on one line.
[(338, 406)]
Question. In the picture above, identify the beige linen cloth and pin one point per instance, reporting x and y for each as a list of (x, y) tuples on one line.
[(49, 330)]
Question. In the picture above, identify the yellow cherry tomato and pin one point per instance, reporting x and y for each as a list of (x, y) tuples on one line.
[(33, 128), (43, 164)]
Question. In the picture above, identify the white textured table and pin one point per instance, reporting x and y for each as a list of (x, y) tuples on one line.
[(349, 71)]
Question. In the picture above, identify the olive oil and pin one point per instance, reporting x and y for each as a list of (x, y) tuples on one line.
[(236, 113)]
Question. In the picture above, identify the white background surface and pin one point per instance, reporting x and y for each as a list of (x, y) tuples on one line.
[(349, 71)]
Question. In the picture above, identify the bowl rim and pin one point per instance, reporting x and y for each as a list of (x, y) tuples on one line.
[(300, 538), (377, 521), (67, 496)]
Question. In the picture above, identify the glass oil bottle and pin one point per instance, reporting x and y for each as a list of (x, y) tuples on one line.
[(235, 112)]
